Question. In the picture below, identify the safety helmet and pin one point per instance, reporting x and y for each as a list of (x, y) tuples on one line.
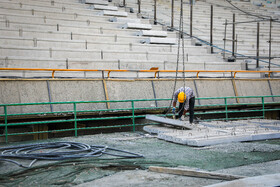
[(181, 97)]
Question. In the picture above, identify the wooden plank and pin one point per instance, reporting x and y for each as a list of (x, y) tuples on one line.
[(194, 173)]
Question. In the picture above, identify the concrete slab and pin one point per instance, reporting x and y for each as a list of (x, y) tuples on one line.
[(113, 13), (102, 7), (155, 40), (213, 133), (24, 92), (247, 87), (173, 122), (210, 89), (137, 26), (129, 89), (98, 2), (77, 91), (126, 20), (152, 33), (264, 180)]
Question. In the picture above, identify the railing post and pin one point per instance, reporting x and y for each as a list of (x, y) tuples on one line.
[(6, 124), (75, 118), (270, 27), (225, 38), (263, 107), (139, 6), (258, 45), (226, 108), (155, 12), (191, 16), (133, 115), (233, 35), (211, 29), (172, 13)]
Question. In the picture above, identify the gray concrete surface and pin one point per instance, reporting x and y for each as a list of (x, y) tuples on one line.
[(260, 181), (15, 91)]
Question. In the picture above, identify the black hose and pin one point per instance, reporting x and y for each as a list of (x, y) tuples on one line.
[(59, 151)]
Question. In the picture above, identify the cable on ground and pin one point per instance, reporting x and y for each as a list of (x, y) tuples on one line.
[(57, 151)]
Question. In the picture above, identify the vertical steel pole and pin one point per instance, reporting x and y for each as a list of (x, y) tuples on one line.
[(211, 29), (75, 118), (172, 14), (139, 6), (133, 115), (258, 45), (6, 124), (263, 107), (155, 12), (233, 35), (191, 16), (225, 38), (270, 27), (226, 108), (124, 3)]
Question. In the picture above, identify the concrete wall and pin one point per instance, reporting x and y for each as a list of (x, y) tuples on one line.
[(30, 91)]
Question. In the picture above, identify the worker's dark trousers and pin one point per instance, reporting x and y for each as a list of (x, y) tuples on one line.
[(191, 109)]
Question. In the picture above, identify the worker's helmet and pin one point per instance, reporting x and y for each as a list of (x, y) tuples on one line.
[(181, 97)]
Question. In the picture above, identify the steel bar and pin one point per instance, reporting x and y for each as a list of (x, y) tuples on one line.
[(225, 36), (191, 17), (258, 45), (155, 12), (172, 13), (270, 27), (233, 35), (211, 29), (139, 6)]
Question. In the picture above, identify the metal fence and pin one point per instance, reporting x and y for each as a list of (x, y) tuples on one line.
[(225, 109)]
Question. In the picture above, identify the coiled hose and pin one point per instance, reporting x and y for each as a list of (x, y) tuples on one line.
[(59, 151)]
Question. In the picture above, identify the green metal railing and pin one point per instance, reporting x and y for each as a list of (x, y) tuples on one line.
[(225, 108)]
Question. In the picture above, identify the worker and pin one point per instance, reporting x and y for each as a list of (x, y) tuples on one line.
[(186, 98)]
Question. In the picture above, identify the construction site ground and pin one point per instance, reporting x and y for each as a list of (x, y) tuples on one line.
[(245, 159)]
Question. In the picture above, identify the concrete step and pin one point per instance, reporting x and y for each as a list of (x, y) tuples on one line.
[(34, 8), (113, 13), (101, 54), (152, 33), (125, 20), (99, 37), (102, 7), (67, 28), (154, 40), (95, 2), (137, 26), (90, 45)]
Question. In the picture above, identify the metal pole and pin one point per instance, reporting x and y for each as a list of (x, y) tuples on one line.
[(226, 108), (225, 38), (236, 39), (258, 44), (133, 115), (75, 118), (233, 35), (172, 13), (191, 16), (155, 12), (263, 107), (124, 3), (6, 124), (270, 27), (211, 29), (139, 6)]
